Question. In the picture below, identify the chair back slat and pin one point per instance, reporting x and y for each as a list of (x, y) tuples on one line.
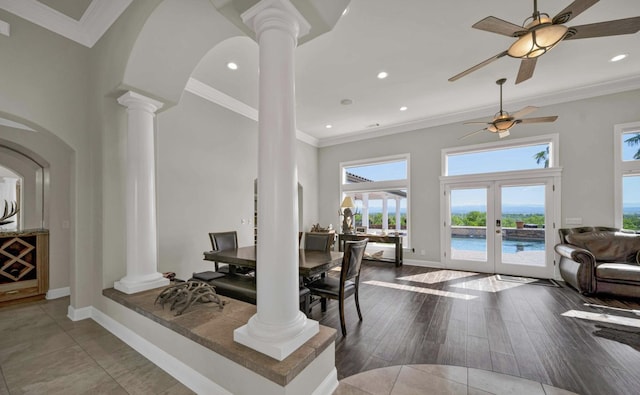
[(224, 240), (352, 259)]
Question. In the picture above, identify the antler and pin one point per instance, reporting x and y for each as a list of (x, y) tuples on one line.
[(9, 212)]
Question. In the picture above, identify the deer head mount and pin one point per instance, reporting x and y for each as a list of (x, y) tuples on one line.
[(9, 211)]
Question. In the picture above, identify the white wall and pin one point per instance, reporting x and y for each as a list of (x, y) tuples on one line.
[(586, 154), (206, 166), (43, 83)]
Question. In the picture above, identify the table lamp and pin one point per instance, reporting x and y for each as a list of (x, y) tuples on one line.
[(347, 222)]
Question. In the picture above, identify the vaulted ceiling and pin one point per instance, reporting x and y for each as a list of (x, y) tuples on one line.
[(420, 44)]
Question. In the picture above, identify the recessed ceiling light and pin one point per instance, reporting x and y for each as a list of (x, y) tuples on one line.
[(232, 66), (403, 108), (382, 75), (345, 12), (328, 126), (618, 58)]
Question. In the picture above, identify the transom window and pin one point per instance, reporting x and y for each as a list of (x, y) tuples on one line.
[(379, 188), (525, 154)]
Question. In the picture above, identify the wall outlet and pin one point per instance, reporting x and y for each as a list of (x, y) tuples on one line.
[(423, 252)]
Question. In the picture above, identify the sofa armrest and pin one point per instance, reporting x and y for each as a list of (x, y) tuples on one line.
[(577, 267)]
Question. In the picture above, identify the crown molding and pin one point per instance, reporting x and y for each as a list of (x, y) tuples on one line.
[(15, 125), (213, 95), (97, 19)]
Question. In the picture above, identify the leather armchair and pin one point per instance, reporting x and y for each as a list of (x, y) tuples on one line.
[(600, 260)]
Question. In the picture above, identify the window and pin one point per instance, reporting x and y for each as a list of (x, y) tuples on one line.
[(525, 154), (380, 190), (627, 175)]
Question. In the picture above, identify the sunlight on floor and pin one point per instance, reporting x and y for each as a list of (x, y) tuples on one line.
[(438, 276), (411, 288), (487, 284), (600, 317)]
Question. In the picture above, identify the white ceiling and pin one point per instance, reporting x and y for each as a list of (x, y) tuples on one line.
[(421, 44)]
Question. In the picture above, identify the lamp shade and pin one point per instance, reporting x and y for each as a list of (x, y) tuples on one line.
[(347, 202)]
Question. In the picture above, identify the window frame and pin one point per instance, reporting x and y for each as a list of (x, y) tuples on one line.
[(622, 168), (405, 183)]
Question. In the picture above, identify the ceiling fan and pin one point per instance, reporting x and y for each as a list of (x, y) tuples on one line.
[(503, 121), (540, 33)]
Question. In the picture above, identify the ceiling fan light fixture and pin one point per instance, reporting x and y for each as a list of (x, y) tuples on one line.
[(504, 124), (542, 35)]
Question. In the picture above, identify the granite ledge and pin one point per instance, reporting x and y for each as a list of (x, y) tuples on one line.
[(213, 328), (24, 232)]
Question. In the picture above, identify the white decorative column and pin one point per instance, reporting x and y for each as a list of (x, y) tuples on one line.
[(385, 214), (279, 327), (365, 211), (141, 240), (398, 216)]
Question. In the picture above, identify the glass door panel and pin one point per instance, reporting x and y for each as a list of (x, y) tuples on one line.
[(469, 246), (523, 224), (523, 210)]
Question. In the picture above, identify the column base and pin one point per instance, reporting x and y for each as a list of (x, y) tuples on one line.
[(131, 286), (276, 348)]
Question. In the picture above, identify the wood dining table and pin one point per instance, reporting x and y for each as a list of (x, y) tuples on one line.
[(310, 263)]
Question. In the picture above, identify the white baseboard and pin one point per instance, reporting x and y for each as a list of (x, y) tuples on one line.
[(416, 262), (79, 314), (180, 371), (58, 293), (328, 385)]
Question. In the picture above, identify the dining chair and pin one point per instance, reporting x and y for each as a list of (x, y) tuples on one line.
[(318, 241), (339, 289), (226, 241)]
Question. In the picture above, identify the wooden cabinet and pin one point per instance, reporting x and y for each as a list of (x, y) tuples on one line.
[(24, 264)]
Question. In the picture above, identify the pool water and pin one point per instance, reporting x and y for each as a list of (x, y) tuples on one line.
[(508, 246)]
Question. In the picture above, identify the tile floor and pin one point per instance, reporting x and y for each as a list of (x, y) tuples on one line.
[(43, 352)]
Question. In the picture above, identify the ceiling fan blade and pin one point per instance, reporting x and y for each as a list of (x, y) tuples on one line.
[(603, 29), (527, 66), (476, 67), (476, 123), (497, 25), (525, 111), (471, 134), (573, 10), (539, 119)]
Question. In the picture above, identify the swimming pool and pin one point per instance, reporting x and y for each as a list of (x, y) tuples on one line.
[(508, 246)]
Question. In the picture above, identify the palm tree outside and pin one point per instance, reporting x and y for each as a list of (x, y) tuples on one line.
[(543, 156), (633, 141)]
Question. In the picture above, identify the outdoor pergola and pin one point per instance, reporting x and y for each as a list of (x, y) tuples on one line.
[(384, 195)]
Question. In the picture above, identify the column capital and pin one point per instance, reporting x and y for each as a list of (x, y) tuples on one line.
[(276, 14), (132, 99)]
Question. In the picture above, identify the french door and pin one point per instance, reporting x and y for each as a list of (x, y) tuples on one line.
[(502, 226)]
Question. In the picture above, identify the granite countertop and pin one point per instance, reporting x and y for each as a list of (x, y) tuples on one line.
[(23, 232), (207, 325)]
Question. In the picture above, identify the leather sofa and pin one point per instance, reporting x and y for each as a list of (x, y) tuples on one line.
[(600, 260)]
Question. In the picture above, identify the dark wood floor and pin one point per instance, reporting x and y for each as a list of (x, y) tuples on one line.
[(519, 331)]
